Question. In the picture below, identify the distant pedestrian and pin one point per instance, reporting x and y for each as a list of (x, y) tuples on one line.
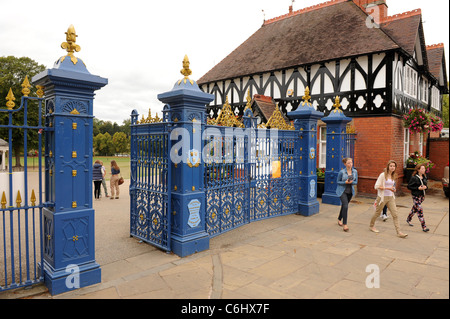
[(104, 180), (384, 216), (346, 181), (114, 182), (385, 186), (417, 185), (97, 178)]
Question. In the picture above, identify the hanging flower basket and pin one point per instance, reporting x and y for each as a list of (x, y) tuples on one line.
[(436, 123), (417, 120)]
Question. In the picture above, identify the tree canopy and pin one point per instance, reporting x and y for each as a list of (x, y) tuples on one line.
[(12, 74)]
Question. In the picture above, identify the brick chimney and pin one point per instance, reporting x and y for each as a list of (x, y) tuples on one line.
[(378, 9)]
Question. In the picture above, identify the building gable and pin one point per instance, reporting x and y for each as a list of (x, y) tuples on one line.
[(437, 65)]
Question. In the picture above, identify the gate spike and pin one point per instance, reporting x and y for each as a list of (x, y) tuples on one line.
[(3, 202), (19, 199), (26, 87), (33, 198), (10, 98)]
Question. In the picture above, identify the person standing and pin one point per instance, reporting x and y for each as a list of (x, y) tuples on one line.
[(385, 186), (104, 180), (97, 178), (346, 181), (114, 182), (417, 185)]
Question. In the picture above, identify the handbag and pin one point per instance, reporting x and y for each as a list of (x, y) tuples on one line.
[(121, 180)]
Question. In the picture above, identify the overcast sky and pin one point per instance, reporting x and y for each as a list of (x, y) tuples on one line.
[(139, 45)]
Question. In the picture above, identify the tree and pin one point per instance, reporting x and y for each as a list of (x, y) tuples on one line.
[(121, 143), (103, 144), (445, 110), (12, 74)]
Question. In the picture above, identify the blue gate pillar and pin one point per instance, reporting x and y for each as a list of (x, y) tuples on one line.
[(187, 112), (305, 122), (68, 221), (336, 131)]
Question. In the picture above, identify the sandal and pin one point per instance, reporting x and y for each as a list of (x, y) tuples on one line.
[(346, 229), (409, 223), (340, 223)]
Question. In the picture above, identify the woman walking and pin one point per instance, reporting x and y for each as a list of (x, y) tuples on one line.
[(417, 185), (114, 181), (385, 186), (97, 178), (347, 179)]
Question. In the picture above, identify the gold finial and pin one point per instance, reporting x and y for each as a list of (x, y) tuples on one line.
[(307, 97), (33, 198), (226, 117), (337, 105), (249, 102), (186, 71), (150, 119), (18, 199), (3, 202), (26, 87), (277, 121), (70, 45), (40, 91), (10, 98)]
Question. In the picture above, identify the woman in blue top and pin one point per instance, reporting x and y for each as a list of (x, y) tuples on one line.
[(346, 181)]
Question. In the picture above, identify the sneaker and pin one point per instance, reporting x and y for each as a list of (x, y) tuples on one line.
[(384, 217), (426, 229)]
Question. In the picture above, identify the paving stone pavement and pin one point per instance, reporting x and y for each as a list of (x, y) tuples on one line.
[(289, 257)]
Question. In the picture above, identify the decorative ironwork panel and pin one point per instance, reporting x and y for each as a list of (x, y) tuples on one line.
[(226, 183), (149, 188), (21, 211), (249, 178)]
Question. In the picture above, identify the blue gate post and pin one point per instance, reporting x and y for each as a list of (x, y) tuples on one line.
[(305, 122), (69, 227), (336, 132), (188, 115)]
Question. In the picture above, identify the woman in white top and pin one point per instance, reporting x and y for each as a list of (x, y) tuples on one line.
[(385, 186)]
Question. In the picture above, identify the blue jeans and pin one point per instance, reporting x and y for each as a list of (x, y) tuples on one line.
[(345, 200)]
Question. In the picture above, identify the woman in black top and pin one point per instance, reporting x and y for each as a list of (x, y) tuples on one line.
[(417, 185)]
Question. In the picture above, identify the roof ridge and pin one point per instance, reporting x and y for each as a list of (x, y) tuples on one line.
[(403, 15), (304, 10), (435, 46)]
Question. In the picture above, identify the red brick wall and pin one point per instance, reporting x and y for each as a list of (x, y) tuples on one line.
[(379, 139), (439, 148)]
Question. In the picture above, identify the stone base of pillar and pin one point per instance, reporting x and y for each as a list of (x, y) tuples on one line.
[(331, 199), (71, 278), (189, 245), (308, 209)]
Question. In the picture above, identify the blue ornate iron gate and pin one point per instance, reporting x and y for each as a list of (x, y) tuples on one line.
[(150, 206), (226, 173), (241, 188), (21, 210)]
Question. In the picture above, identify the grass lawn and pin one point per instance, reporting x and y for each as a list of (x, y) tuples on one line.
[(123, 162)]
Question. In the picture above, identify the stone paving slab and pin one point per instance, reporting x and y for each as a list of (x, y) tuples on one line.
[(289, 257)]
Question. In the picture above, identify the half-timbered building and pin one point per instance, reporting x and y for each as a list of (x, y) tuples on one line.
[(379, 66)]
